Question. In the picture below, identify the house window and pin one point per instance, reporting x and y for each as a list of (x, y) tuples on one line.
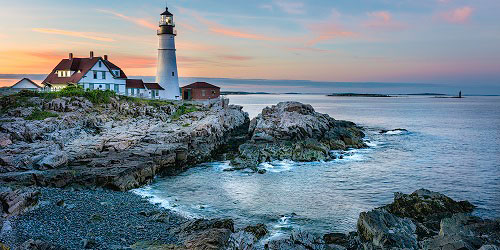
[(100, 64), (203, 92), (173, 73), (108, 86), (157, 93), (95, 74), (117, 73), (132, 91), (117, 88), (213, 92), (91, 86), (103, 75)]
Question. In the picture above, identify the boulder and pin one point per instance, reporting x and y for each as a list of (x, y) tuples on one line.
[(259, 230), (294, 131), (38, 245), (205, 234), (17, 201), (463, 231), (5, 140), (427, 209), (382, 229)]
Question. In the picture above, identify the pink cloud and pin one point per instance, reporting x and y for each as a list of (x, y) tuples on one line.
[(383, 20), (236, 58), (86, 35), (138, 21), (220, 29), (459, 15), (327, 31)]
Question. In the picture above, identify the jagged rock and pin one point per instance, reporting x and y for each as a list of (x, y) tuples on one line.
[(462, 231), (5, 140), (259, 230), (241, 241), (427, 208), (205, 234), (121, 145), (39, 245), (382, 229), (292, 130), (17, 201)]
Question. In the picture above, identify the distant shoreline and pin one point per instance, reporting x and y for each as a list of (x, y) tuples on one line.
[(357, 95)]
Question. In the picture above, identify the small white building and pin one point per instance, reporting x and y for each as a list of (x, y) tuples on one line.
[(25, 84), (100, 74)]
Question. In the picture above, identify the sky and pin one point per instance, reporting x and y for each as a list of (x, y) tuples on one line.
[(454, 42)]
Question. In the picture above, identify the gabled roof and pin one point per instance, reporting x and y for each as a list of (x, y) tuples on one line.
[(201, 85), (81, 66), (153, 86), (27, 79)]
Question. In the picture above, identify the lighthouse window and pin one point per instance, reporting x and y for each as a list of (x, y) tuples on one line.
[(173, 73)]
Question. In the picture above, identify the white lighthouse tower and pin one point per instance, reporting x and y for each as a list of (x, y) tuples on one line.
[(166, 73)]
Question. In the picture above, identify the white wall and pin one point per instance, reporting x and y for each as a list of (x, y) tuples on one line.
[(167, 64), (100, 83), (25, 84)]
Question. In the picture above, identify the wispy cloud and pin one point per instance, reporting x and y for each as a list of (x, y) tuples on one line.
[(138, 21), (86, 35), (236, 57), (290, 7), (267, 7), (226, 31), (383, 20), (458, 15)]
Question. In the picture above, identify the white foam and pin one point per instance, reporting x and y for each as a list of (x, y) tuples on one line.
[(277, 166), (147, 193)]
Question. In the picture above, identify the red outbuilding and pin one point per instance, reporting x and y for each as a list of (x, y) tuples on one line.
[(200, 91)]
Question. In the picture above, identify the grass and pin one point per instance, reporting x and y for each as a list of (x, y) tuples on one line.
[(40, 115), (184, 109)]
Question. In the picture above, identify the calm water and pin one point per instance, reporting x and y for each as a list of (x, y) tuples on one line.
[(453, 147)]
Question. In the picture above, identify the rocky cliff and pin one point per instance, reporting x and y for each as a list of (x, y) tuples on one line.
[(295, 131), (120, 144)]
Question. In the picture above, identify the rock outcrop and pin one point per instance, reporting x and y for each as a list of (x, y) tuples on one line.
[(294, 131), (426, 220), (120, 145), (15, 202)]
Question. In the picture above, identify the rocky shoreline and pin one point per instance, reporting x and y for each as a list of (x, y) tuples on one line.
[(62, 159), (104, 219)]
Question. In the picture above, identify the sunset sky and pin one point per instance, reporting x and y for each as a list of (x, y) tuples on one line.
[(417, 41)]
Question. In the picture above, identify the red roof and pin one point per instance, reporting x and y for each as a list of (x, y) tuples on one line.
[(135, 84), (201, 85), (81, 66), (153, 86)]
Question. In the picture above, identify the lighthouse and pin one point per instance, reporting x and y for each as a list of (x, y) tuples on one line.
[(166, 73)]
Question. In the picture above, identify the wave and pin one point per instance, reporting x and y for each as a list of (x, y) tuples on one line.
[(277, 166), (148, 194)]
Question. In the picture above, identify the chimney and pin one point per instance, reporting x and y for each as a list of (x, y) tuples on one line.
[(105, 57), (91, 54), (70, 56)]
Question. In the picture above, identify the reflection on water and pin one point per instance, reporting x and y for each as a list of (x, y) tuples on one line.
[(451, 147)]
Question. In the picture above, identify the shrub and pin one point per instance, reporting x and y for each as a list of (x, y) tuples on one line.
[(182, 110), (40, 115)]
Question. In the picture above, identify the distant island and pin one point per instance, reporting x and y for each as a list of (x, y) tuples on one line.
[(243, 93), (434, 94), (358, 95)]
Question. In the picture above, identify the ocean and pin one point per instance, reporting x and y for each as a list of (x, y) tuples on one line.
[(452, 146)]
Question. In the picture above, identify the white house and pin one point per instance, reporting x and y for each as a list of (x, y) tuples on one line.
[(98, 73), (26, 84)]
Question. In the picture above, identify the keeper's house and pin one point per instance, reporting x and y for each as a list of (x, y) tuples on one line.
[(98, 73)]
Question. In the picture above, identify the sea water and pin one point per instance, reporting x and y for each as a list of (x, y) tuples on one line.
[(452, 146)]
